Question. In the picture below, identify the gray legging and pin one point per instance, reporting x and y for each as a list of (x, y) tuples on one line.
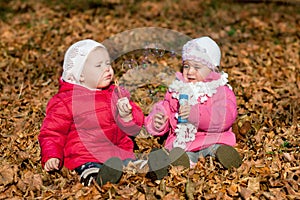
[(209, 151)]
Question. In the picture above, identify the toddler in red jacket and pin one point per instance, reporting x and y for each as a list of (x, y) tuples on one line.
[(89, 121)]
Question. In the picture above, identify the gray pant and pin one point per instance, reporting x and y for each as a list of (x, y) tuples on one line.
[(209, 151)]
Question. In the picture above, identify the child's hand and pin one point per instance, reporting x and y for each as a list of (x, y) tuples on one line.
[(184, 111), (125, 109), (52, 164), (159, 120)]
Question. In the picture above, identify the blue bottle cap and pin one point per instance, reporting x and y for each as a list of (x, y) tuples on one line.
[(183, 96)]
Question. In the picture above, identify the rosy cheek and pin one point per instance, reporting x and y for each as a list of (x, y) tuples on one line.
[(185, 77)]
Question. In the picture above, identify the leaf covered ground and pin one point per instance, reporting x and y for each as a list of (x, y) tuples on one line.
[(260, 42)]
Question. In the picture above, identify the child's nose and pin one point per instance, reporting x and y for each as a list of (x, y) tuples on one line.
[(191, 70), (107, 68)]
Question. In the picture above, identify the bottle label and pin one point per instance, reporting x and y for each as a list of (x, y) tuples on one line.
[(183, 99)]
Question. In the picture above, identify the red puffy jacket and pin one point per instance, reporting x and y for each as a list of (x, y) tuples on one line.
[(83, 125)]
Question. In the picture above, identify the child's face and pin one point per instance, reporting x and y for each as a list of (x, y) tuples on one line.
[(194, 71), (97, 71)]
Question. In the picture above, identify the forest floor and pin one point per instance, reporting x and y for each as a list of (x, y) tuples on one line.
[(260, 43)]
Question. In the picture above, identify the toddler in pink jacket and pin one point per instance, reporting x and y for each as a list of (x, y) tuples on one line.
[(209, 111)]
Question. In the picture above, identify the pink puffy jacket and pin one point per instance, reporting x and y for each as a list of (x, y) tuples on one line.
[(213, 118), (83, 125)]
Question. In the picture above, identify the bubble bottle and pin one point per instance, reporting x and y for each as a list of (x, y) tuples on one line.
[(183, 99)]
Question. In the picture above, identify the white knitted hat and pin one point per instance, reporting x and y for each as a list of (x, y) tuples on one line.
[(204, 50), (75, 58)]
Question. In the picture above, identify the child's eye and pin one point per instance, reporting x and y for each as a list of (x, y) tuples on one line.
[(98, 65), (186, 66), (197, 67)]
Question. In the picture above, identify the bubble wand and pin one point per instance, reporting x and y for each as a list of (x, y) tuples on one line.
[(118, 87)]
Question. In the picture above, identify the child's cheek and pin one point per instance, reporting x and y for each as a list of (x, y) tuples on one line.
[(185, 76)]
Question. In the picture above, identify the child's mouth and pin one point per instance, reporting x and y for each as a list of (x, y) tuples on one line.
[(107, 77), (191, 79)]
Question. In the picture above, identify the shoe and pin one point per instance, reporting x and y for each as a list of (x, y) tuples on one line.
[(158, 162), (228, 157), (178, 157), (111, 171)]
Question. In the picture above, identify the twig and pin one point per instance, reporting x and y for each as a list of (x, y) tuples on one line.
[(294, 168), (21, 90)]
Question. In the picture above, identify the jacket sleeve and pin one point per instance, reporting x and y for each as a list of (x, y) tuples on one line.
[(165, 106), (217, 114), (54, 130), (134, 126)]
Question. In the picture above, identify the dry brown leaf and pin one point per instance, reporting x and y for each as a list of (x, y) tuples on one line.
[(245, 192), (253, 184), (190, 190), (7, 174), (171, 196)]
